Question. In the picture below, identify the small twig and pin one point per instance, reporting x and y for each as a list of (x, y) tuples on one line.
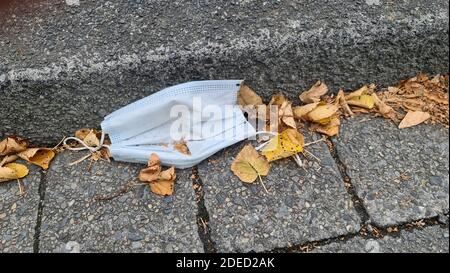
[(311, 154), (59, 143), (21, 191), (122, 190), (299, 162), (262, 183), (205, 226), (314, 142), (80, 160), (89, 166), (363, 120)]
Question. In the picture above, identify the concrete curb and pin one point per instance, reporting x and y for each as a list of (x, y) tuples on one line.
[(46, 97)]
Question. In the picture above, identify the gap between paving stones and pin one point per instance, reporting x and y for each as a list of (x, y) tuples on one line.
[(365, 234), (209, 245), (203, 216), (37, 229), (357, 202), (204, 231)]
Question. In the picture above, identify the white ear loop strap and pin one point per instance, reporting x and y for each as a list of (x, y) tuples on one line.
[(86, 147), (265, 143)]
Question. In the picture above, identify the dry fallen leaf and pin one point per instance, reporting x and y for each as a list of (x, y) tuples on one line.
[(105, 154), (92, 139), (160, 182), (287, 115), (314, 93), (38, 156), (90, 136), (322, 114), (384, 109), (329, 129), (247, 96), (420, 94), (255, 112), (286, 144), (285, 112), (8, 159), (249, 165), (361, 91), (364, 101), (413, 118), (82, 133), (340, 100), (13, 171), (7, 174), (438, 97), (12, 145), (164, 185), (301, 111), (153, 170), (181, 147), (277, 99)]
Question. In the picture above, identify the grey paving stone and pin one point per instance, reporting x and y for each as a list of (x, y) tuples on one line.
[(428, 240), (301, 206), (138, 221), (18, 214), (376, 154)]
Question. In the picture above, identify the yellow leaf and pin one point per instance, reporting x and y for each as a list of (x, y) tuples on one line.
[(247, 96), (91, 139), (8, 159), (329, 129), (248, 165), (12, 171), (361, 91), (301, 111), (38, 156), (82, 133), (286, 144), (364, 101), (12, 145), (314, 93), (413, 118), (277, 99), (7, 174), (20, 169), (322, 112)]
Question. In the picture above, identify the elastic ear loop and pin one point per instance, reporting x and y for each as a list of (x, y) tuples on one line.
[(86, 147)]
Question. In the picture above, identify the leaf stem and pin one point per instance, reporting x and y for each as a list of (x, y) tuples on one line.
[(311, 154), (314, 142), (262, 183)]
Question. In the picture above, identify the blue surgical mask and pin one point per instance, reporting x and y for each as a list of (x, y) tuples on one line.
[(147, 125)]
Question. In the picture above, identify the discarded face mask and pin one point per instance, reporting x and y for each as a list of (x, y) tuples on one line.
[(202, 114)]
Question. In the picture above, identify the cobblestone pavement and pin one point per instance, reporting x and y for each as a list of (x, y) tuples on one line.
[(304, 207)]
